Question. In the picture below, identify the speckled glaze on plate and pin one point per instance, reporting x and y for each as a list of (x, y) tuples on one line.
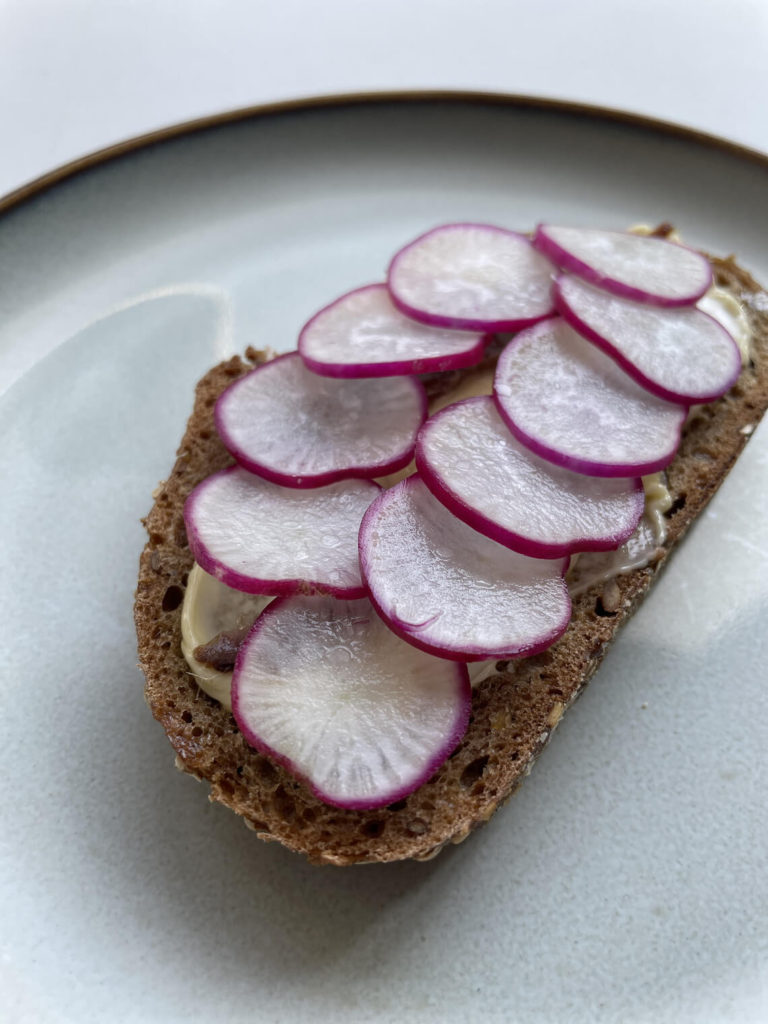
[(607, 891)]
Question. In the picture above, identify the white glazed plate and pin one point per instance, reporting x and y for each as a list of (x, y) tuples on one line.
[(626, 882)]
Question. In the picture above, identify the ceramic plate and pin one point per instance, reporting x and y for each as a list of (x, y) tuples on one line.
[(626, 882)]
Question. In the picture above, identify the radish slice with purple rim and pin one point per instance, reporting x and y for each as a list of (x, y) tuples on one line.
[(298, 429), (636, 266), (658, 347), (448, 590), (470, 461), (571, 404), (362, 334), (472, 276), (324, 688), (262, 538)]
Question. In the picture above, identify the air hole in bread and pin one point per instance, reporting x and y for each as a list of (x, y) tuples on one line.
[(156, 538), (266, 771), (602, 611), (676, 506), (197, 731), (187, 716), (172, 598), (205, 435), (473, 771), (309, 815), (398, 805), (284, 804), (226, 788), (372, 829)]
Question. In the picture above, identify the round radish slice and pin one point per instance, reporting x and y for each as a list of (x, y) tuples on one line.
[(261, 538), (472, 276), (482, 474), (323, 687), (451, 591), (683, 355), (362, 334), (635, 266), (298, 429), (571, 404)]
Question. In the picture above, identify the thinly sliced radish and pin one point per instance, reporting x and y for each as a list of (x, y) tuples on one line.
[(636, 266), (262, 538), (451, 591), (298, 429), (570, 403), (682, 355), (470, 461), (323, 687), (474, 276), (363, 334)]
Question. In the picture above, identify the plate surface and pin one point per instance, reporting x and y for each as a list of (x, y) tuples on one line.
[(626, 882)]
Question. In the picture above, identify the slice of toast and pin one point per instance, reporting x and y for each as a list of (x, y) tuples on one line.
[(514, 712)]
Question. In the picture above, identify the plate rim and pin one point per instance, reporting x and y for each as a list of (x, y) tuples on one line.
[(402, 97)]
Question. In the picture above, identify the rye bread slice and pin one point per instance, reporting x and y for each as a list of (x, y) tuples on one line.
[(514, 712)]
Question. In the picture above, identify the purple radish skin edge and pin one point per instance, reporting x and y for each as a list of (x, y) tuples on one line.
[(393, 368), (439, 758), (248, 584), (310, 480), (567, 261), (585, 466), (568, 314), (509, 538), (459, 323), (409, 631)]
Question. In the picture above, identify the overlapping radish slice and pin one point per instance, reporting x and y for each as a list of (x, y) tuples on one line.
[(683, 355), (473, 276), (363, 334), (571, 404), (262, 538), (471, 462), (447, 589), (636, 266), (298, 429), (323, 687)]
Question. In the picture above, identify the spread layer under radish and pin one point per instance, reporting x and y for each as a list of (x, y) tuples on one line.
[(365, 698)]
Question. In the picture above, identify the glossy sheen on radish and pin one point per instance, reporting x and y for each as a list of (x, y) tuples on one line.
[(682, 355), (472, 276), (262, 538), (298, 429), (323, 687), (363, 334), (471, 462), (447, 589), (570, 403), (636, 266)]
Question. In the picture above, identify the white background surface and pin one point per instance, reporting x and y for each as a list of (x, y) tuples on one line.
[(76, 75)]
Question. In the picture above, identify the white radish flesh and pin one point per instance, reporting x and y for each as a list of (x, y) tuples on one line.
[(323, 687), (682, 355), (262, 538), (636, 266), (298, 429), (472, 276), (571, 404), (471, 462), (363, 334), (451, 591)]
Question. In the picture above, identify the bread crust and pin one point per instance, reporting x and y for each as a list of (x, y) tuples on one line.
[(514, 712)]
